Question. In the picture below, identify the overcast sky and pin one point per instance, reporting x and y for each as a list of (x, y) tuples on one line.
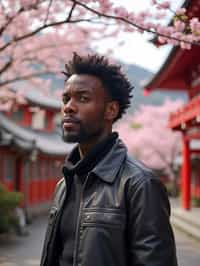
[(137, 49)]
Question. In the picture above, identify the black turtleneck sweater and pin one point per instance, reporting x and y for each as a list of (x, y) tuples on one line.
[(77, 170)]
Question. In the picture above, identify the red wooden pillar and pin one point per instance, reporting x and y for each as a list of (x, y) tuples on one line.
[(20, 178), (19, 175), (27, 119), (186, 174), (49, 120)]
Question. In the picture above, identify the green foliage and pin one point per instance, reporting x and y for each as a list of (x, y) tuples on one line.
[(172, 189), (195, 201), (136, 126), (8, 202)]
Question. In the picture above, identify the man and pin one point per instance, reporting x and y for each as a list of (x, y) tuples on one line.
[(108, 210)]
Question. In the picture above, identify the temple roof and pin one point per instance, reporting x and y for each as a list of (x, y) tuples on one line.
[(28, 139), (42, 101), (36, 98), (177, 71)]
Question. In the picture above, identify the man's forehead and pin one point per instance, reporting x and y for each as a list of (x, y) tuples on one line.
[(84, 80)]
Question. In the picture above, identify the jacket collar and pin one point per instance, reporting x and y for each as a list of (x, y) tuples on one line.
[(109, 166), (81, 167)]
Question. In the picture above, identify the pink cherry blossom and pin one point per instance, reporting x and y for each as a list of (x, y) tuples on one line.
[(164, 5), (148, 137), (195, 25), (179, 25), (38, 37), (180, 11)]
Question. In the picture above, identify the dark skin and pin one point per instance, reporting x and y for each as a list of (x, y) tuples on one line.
[(88, 111)]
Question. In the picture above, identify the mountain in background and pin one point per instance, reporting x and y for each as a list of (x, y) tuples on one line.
[(139, 75)]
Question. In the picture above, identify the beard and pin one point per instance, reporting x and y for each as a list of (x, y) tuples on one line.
[(84, 134)]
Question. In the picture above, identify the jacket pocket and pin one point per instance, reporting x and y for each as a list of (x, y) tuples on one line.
[(104, 217)]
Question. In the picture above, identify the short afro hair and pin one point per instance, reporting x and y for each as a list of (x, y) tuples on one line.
[(113, 79)]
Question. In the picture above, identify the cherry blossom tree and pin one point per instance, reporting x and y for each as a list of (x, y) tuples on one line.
[(149, 139), (184, 30), (38, 36)]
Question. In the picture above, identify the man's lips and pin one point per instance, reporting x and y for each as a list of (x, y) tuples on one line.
[(69, 123)]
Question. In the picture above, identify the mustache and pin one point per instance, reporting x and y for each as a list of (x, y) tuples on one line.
[(70, 119)]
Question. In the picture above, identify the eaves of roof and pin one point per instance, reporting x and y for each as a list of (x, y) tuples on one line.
[(43, 101), (151, 84), (36, 98), (28, 139)]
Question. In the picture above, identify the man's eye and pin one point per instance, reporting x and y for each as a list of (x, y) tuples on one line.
[(65, 99), (83, 99)]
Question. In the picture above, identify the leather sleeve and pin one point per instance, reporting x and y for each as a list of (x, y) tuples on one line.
[(150, 237), (49, 237)]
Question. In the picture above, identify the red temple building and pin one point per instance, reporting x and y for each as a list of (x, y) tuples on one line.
[(31, 150), (181, 71)]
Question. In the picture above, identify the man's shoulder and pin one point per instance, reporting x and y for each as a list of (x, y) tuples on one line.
[(137, 171), (139, 177)]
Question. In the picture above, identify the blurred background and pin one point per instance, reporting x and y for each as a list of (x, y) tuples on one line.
[(157, 45)]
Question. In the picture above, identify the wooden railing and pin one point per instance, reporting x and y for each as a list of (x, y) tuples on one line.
[(185, 115)]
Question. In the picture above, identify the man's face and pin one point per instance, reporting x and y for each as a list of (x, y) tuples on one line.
[(83, 110)]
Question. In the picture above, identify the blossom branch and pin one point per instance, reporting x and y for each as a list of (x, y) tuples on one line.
[(48, 10), (6, 66), (139, 27), (25, 77)]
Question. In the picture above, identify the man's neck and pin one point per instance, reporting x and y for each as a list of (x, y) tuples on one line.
[(84, 148)]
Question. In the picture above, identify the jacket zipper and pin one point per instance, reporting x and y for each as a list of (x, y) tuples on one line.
[(77, 236)]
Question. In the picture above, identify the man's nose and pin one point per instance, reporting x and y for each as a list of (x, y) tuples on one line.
[(70, 106)]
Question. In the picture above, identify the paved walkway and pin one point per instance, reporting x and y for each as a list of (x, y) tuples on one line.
[(188, 249), (187, 221), (26, 251)]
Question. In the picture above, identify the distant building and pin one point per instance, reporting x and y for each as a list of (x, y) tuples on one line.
[(32, 151), (181, 71)]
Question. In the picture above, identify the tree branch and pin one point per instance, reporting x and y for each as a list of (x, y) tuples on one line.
[(127, 21), (71, 11), (9, 20), (48, 10), (26, 77), (21, 10), (6, 66), (32, 33)]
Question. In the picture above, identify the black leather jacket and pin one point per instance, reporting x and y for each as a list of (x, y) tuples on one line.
[(123, 218)]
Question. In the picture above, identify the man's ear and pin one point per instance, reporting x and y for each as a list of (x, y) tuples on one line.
[(112, 110)]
